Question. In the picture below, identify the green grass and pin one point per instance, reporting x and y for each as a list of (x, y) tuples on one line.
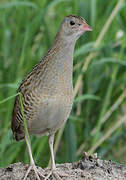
[(97, 121)]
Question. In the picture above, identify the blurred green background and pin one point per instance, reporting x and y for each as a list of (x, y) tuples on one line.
[(98, 119)]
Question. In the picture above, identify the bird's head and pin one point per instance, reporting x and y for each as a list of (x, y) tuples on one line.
[(73, 27)]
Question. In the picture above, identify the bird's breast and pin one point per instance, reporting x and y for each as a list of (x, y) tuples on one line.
[(53, 112)]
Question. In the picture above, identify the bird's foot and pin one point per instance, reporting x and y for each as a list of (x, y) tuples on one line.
[(56, 173), (37, 173)]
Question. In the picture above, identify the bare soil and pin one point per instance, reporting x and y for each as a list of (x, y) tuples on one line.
[(88, 168)]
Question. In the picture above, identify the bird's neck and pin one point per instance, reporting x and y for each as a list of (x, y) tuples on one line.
[(60, 61), (62, 48), (63, 53)]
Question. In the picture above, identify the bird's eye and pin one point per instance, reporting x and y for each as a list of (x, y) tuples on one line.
[(79, 24), (72, 23)]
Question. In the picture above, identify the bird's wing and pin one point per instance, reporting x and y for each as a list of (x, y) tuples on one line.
[(31, 98)]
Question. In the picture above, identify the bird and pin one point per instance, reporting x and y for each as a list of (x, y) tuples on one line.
[(47, 90)]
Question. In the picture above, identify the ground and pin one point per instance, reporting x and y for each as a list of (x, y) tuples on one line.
[(88, 168)]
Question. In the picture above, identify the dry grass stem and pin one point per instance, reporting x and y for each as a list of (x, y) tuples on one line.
[(112, 109), (108, 134), (105, 118)]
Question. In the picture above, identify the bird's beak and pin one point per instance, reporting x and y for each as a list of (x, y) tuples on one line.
[(85, 27)]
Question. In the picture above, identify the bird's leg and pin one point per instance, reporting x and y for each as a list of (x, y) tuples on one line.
[(32, 163), (51, 142), (53, 166)]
